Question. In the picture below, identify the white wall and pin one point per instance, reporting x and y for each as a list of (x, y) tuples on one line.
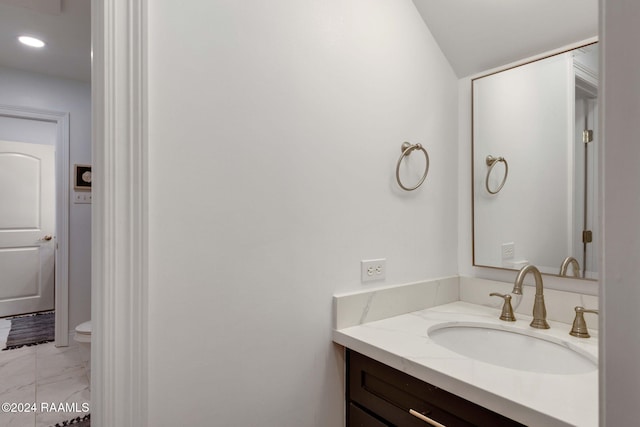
[(31, 131), (620, 289), (21, 88), (274, 130)]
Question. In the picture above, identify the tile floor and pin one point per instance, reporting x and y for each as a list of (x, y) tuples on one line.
[(41, 374)]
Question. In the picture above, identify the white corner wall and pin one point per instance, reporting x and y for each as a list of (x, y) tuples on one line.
[(620, 285), (274, 131), (32, 90)]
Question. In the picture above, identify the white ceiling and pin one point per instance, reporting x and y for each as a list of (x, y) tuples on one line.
[(478, 35), (474, 35), (65, 25)]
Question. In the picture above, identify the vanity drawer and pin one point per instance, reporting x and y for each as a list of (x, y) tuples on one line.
[(359, 418), (390, 394)]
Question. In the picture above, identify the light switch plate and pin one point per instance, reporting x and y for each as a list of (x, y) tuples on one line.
[(81, 198)]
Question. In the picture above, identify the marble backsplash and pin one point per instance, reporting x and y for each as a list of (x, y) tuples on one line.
[(360, 307)]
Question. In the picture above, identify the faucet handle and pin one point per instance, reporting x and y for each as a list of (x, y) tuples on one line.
[(507, 310), (579, 328)]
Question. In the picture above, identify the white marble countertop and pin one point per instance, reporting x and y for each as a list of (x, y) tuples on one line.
[(534, 399)]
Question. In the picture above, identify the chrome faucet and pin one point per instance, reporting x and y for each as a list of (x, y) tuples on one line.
[(565, 266), (539, 310)]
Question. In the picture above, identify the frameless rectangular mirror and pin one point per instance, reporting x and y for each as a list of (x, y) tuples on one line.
[(534, 165)]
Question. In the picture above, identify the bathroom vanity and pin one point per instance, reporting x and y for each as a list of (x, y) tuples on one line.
[(394, 365), (378, 395)]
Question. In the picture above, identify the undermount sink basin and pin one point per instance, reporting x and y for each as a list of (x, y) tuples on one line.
[(513, 348)]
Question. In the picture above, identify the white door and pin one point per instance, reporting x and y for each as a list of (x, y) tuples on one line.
[(27, 225)]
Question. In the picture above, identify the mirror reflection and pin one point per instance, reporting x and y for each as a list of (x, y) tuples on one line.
[(534, 165)]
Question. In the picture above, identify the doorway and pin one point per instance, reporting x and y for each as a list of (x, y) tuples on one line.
[(586, 170), (48, 129)]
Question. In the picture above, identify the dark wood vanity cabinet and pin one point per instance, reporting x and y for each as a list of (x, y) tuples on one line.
[(381, 396)]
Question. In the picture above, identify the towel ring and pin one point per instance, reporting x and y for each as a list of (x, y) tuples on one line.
[(491, 162), (406, 149)]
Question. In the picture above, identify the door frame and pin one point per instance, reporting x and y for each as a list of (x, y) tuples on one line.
[(119, 218), (61, 120)]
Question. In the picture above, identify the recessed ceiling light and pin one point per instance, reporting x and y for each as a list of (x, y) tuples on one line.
[(31, 41)]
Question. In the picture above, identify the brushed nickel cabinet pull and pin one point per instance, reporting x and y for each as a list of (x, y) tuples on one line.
[(425, 419)]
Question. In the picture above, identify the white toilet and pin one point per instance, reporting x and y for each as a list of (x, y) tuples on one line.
[(83, 337)]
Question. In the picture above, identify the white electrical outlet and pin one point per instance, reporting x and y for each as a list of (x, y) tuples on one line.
[(508, 250), (373, 269)]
